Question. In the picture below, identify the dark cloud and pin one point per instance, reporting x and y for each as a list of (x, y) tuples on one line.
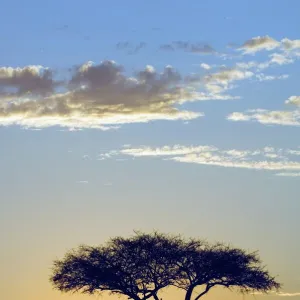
[(122, 45), (25, 81), (188, 47), (130, 47), (97, 96), (167, 47)]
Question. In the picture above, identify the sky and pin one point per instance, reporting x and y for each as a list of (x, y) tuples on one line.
[(177, 116)]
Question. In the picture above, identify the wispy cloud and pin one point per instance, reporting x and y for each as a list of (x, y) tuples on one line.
[(270, 117), (267, 43), (290, 44), (286, 174), (259, 43), (280, 294), (222, 80), (288, 294), (130, 47), (263, 77), (266, 158), (83, 182)]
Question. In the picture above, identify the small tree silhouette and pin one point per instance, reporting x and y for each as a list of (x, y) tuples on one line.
[(140, 266)]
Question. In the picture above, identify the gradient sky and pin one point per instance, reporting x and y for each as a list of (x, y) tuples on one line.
[(180, 116)]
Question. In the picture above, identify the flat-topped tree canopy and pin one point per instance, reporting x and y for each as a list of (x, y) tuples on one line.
[(137, 267), (142, 265), (223, 265)]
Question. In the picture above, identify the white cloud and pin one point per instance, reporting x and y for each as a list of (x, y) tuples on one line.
[(238, 116), (286, 174), (290, 44), (269, 149), (280, 59), (295, 100), (294, 152), (226, 76), (218, 82), (259, 43), (267, 158), (267, 43), (166, 150), (270, 117), (86, 157), (288, 294), (275, 59), (264, 77), (205, 66), (281, 294), (247, 65)]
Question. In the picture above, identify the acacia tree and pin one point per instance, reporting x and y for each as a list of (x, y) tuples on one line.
[(221, 265), (137, 267), (140, 266)]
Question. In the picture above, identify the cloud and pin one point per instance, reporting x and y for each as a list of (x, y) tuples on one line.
[(285, 174), (30, 80), (259, 43), (205, 66), (166, 150), (275, 59), (263, 77), (220, 81), (137, 48), (295, 100), (270, 117), (289, 49), (294, 152), (97, 96), (280, 59), (198, 48), (131, 48), (290, 44), (288, 294), (167, 47), (86, 157), (281, 294), (202, 49), (122, 45), (266, 158)]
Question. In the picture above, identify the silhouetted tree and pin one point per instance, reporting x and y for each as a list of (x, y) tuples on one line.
[(221, 265), (137, 267), (140, 266)]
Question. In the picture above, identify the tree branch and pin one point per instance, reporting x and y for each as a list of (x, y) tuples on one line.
[(208, 287)]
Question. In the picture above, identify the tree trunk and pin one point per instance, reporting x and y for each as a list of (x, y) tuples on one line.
[(189, 293), (155, 297)]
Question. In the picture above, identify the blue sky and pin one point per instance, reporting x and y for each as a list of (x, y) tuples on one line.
[(180, 116)]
